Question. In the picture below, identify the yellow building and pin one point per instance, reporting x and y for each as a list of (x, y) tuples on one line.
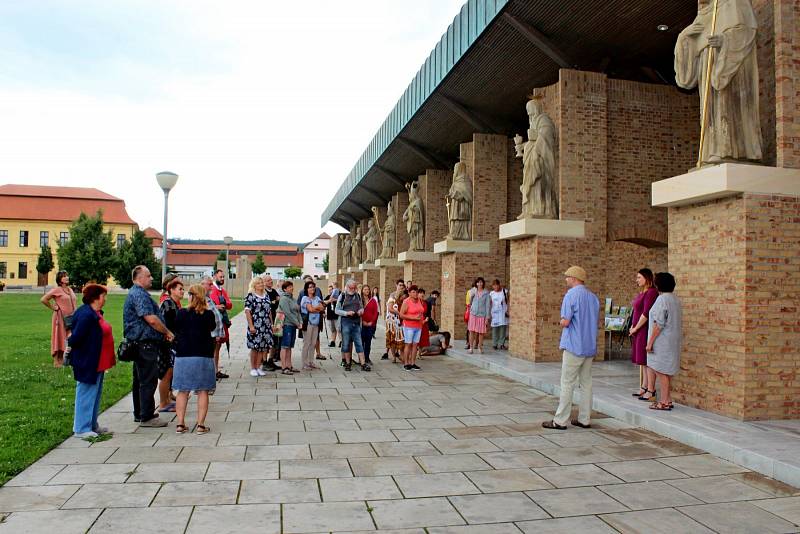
[(33, 216)]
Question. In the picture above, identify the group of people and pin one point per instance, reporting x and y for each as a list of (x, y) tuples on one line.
[(487, 310)]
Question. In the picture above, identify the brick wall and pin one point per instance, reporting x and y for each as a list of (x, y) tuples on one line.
[(787, 82), (624, 261), (388, 279), (434, 185), (399, 204), (333, 256)]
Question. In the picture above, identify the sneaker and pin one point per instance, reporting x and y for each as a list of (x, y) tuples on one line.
[(101, 430), (155, 422), (342, 363), (220, 374), (385, 356), (84, 435), (366, 367), (253, 372), (348, 367), (415, 367), (332, 344), (407, 367), (270, 366), (260, 372)]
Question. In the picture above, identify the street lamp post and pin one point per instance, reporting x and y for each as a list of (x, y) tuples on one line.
[(227, 240), (166, 181)]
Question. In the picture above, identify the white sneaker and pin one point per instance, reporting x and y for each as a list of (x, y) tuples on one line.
[(83, 435), (254, 372), (260, 372)]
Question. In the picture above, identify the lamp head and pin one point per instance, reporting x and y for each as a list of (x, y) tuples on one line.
[(166, 180), (227, 240)]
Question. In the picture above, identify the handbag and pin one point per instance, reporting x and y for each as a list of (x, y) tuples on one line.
[(466, 314), (127, 351), (277, 326), (67, 321)]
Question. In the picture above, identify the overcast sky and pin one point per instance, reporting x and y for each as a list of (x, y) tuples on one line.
[(262, 107)]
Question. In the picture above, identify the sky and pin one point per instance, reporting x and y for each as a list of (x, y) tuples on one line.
[(261, 107)]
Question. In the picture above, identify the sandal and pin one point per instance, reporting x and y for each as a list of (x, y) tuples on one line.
[(651, 398), (181, 429), (553, 425), (641, 393), (286, 372), (660, 406), (202, 429), (168, 408), (321, 357)]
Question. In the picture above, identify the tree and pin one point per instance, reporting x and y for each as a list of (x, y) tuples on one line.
[(325, 262), (89, 255), (45, 262), (137, 251), (258, 266), (221, 256), (292, 272)]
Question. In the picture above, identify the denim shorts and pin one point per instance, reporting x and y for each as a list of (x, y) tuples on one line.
[(411, 335), (351, 333), (288, 337)]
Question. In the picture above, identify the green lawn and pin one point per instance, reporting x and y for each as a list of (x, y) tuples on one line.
[(37, 400)]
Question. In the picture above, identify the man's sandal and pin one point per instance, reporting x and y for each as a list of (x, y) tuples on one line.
[(661, 406), (553, 425), (181, 429), (202, 429)]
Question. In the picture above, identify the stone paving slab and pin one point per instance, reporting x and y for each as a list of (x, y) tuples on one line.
[(450, 449)]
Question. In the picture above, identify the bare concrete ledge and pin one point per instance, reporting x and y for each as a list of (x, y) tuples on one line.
[(368, 266), (342, 271), (353, 270), (449, 246), (720, 181), (542, 227), (387, 262), (771, 448), (417, 255)]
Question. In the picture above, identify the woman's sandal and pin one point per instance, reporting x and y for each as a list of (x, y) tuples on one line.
[(641, 393), (651, 398), (286, 372), (660, 406), (321, 357), (202, 429), (181, 429)]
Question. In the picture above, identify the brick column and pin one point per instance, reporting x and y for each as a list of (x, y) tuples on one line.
[(333, 255)]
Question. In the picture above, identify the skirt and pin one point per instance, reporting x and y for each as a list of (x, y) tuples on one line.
[(477, 324), (194, 373)]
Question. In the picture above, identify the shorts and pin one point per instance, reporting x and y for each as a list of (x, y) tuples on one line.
[(288, 337), (333, 325), (411, 335)]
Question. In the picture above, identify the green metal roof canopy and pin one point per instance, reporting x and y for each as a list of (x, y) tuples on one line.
[(475, 16)]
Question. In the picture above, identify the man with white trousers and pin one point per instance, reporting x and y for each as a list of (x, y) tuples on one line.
[(579, 319)]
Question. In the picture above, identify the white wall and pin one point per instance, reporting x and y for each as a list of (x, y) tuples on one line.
[(313, 256)]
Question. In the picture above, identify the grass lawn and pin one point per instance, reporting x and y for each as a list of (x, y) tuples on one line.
[(37, 400)]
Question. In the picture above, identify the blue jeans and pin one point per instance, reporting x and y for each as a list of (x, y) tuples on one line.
[(351, 333), (87, 405), (367, 333)]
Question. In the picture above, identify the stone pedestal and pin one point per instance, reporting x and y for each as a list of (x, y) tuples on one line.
[(734, 249)]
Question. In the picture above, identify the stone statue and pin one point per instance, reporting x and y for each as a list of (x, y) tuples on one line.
[(371, 241), (459, 204), (388, 251), (347, 251), (357, 246), (733, 130), (539, 185), (415, 219)]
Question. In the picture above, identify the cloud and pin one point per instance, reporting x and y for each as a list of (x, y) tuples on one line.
[(262, 108)]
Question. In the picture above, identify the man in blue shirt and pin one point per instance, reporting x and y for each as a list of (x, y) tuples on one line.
[(579, 315)]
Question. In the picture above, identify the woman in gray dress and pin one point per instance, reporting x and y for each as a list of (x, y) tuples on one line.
[(664, 338)]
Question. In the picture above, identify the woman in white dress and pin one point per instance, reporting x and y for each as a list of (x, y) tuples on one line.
[(499, 312), (664, 338)]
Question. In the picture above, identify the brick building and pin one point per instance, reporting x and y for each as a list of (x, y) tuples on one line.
[(625, 132)]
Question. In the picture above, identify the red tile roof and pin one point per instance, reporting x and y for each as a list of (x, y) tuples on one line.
[(152, 233), (39, 202), (294, 260)]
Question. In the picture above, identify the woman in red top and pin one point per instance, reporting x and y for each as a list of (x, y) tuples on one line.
[(369, 320), (91, 354), (412, 312)]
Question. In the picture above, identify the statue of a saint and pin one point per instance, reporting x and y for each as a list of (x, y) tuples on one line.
[(732, 129), (388, 251), (539, 186), (371, 240), (414, 219), (347, 251), (459, 204), (357, 246)]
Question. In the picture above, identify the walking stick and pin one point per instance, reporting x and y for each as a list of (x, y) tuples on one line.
[(707, 89)]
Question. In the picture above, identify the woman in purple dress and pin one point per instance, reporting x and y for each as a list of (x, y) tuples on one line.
[(638, 332)]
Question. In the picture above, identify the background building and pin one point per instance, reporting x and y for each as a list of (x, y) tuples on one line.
[(194, 259), (34, 216), (314, 254)]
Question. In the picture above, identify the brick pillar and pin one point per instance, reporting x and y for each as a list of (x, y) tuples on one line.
[(736, 265), (388, 279), (399, 204), (486, 159)]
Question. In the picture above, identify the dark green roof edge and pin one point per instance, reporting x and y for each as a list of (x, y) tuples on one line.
[(474, 17)]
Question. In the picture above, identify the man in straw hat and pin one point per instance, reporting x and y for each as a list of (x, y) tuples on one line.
[(579, 314)]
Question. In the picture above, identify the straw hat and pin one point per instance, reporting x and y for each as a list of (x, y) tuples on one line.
[(576, 272)]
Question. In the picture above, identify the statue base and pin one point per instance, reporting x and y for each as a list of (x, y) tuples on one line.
[(417, 255), (353, 270), (387, 262), (342, 271), (449, 246), (524, 228), (725, 180), (368, 266)]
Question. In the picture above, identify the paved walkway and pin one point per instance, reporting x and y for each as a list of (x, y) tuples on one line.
[(450, 449)]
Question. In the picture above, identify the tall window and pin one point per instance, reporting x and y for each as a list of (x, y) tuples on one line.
[(63, 238), (3, 238), (44, 239), (23, 238), (3, 269), (120, 240), (22, 270)]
